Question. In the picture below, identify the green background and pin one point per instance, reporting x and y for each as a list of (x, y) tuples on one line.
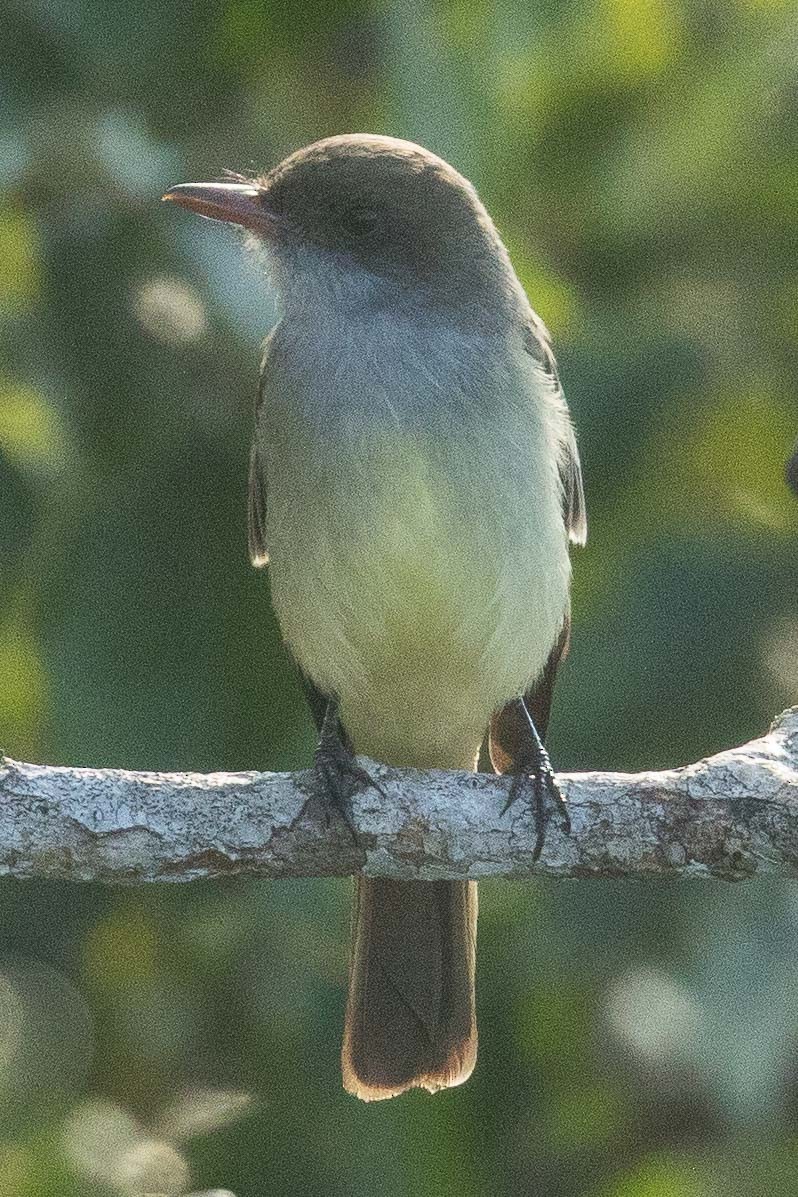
[(640, 159)]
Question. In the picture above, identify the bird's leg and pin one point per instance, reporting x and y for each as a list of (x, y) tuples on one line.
[(336, 764), (533, 776)]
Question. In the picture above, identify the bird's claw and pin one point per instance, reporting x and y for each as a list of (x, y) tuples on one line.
[(341, 775), (538, 787)]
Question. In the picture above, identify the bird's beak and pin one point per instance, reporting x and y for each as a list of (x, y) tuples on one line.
[(236, 203)]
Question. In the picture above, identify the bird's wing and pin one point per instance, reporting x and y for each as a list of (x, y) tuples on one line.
[(256, 509), (256, 505), (509, 746), (538, 344), (510, 749)]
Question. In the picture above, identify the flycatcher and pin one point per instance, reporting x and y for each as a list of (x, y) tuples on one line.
[(414, 482)]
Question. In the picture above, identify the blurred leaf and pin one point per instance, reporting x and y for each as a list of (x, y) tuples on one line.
[(24, 687), (669, 1177), (122, 950), (637, 39), (20, 253), (32, 433), (584, 1116), (16, 1178), (713, 461), (553, 299)]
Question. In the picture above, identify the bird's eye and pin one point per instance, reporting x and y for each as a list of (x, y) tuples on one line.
[(359, 223)]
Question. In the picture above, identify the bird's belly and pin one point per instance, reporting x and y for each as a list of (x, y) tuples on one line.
[(422, 605)]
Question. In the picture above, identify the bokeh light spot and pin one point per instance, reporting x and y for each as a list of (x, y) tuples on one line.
[(169, 309)]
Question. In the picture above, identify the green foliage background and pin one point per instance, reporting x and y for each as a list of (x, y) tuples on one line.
[(640, 158)]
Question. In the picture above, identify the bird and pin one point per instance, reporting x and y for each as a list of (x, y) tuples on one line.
[(414, 483)]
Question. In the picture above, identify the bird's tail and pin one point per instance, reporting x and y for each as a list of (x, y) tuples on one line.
[(410, 1015)]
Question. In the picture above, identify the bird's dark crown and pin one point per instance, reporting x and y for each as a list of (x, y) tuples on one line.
[(386, 203)]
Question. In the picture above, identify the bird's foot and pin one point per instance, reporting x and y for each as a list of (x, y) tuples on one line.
[(337, 766), (537, 786)]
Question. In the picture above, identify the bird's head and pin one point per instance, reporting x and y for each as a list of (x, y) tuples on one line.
[(370, 206)]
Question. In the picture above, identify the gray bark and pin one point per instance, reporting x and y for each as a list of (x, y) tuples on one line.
[(732, 816)]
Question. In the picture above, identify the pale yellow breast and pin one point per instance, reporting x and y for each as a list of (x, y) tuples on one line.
[(421, 588)]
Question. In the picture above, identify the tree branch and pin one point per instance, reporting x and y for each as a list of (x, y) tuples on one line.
[(731, 816)]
